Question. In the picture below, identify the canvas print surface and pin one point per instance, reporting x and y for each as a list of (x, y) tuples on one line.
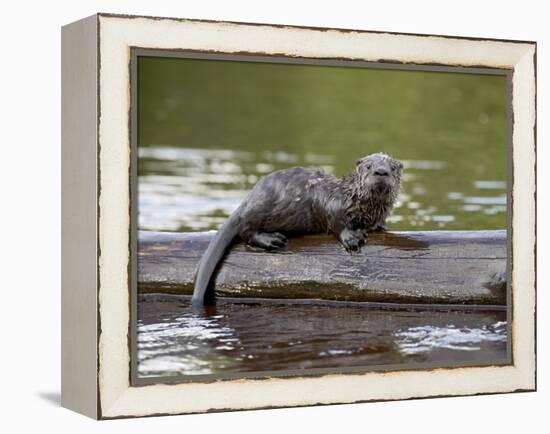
[(386, 249)]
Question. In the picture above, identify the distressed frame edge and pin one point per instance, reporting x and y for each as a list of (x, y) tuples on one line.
[(530, 384), (304, 27), (80, 180)]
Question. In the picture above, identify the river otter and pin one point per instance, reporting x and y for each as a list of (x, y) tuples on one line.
[(300, 201)]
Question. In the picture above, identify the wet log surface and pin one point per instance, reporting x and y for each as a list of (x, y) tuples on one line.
[(432, 267)]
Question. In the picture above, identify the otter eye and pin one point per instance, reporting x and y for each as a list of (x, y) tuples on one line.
[(396, 166)]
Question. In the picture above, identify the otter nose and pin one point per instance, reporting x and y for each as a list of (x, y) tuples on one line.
[(381, 172)]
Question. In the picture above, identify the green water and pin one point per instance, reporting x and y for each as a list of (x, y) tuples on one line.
[(207, 130)]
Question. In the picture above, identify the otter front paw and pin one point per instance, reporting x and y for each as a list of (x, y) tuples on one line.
[(381, 228), (352, 240)]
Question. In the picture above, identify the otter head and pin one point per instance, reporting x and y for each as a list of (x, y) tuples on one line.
[(379, 174)]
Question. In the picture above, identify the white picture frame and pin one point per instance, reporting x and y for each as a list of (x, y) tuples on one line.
[(96, 246)]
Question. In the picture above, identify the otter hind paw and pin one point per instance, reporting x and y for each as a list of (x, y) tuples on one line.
[(268, 240)]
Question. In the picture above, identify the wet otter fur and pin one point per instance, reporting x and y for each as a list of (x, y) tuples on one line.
[(299, 201)]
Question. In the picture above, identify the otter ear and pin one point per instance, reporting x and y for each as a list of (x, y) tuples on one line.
[(358, 161), (400, 165)]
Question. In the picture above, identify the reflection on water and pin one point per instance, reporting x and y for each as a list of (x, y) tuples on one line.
[(238, 337), (162, 345), (423, 339), (183, 189)]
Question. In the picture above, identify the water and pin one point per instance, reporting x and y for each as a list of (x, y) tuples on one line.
[(189, 190), (241, 338), (208, 130)]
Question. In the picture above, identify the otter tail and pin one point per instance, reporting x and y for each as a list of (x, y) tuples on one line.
[(210, 259)]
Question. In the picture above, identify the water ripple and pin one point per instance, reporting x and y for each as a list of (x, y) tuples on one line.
[(173, 340)]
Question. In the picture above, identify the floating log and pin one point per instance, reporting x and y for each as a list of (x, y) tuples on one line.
[(430, 267)]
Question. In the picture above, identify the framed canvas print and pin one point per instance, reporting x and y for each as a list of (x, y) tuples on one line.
[(262, 216)]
